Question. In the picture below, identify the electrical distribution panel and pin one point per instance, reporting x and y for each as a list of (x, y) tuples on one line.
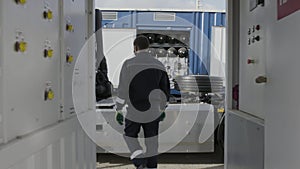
[(75, 34), (269, 88), (40, 41), (252, 57), (30, 66)]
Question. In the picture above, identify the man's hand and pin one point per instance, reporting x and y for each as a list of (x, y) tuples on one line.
[(162, 116), (119, 117)]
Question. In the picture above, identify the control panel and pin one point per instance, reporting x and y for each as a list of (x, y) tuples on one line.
[(30, 66), (252, 57), (75, 34), (40, 42)]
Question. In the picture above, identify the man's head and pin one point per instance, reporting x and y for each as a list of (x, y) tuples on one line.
[(141, 43)]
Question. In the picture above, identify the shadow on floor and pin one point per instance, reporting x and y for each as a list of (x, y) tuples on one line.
[(201, 158)]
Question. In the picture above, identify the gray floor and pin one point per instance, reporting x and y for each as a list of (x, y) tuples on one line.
[(167, 161)]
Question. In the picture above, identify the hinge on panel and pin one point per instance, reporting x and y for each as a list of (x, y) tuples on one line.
[(61, 116)]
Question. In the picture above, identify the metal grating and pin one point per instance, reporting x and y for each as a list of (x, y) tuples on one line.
[(164, 16), (110, 15)]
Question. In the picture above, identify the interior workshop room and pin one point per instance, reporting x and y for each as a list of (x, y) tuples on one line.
[(147, 84)]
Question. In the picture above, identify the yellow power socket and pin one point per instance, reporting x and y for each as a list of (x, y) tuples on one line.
[(20, 46), (70, 58)]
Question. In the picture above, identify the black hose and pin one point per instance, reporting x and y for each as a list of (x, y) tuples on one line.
[(220, 132)]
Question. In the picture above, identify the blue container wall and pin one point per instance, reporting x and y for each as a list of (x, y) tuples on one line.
[(125, 19), (198, 23)]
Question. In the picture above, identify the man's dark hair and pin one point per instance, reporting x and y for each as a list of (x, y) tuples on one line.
[(141, 42)]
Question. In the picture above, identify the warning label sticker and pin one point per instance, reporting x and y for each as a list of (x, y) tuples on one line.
[(287, 7)]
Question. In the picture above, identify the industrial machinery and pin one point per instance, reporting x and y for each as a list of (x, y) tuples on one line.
[(197, 102)]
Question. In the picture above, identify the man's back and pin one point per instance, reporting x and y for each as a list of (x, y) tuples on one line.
[(142, 75)]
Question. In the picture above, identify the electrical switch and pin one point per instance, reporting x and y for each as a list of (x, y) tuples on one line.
[(70, 58), (261, 79), (20, 46), (255, 38), (249, 31), (257, 27), (253, 29), (48, 53), (22, 2), (49, 94), (48, 14), (251, 61), (69, 28)]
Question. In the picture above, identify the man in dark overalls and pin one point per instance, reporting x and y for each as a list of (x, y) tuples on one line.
[(144, 86)]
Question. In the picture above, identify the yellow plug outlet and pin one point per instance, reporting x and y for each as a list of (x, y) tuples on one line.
[(22, 2), (70, 58), (20, 46), (48, 14), (69, 28), (50, 95), (48, 53)]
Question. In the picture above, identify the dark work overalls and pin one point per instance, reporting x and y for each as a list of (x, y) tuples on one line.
[(144, 87)]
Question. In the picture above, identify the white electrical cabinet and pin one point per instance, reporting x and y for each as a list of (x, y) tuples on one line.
[(63, 146), (246, 67), (30, 66), (267, 47), (252, 57), (75, 34), (40, 41)]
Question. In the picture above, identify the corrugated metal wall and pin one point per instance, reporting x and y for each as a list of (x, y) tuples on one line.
[(63, 146), (198, 23)]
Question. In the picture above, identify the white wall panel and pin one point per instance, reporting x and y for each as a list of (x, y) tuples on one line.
[(251, 93), (117, 47), (280, 94), (246, 145), (1, 81), (218, 52), (34, 134), (26, 75), (282, 91), (56, 156), (75, 15), (59, 152)]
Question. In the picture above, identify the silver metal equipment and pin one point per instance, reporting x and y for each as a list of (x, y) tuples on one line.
[(200, 83)]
